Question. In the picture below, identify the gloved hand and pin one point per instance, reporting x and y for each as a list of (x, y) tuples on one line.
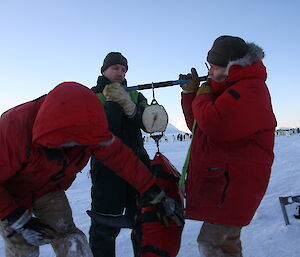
[(32, 229), (192, 86), (204, 89), (116, 93), (166, 206)]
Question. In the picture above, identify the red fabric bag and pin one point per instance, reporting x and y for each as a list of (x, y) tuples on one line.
[(154, 238)]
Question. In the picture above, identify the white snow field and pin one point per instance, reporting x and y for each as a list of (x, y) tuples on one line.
[(266, 236)]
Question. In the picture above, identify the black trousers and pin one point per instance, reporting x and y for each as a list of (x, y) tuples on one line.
[(110, 195)]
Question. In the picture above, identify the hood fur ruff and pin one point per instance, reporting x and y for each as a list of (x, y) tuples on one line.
[(255, 53)]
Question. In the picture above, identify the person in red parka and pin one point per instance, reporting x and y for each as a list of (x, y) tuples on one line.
[(43, 144), (232, 147)]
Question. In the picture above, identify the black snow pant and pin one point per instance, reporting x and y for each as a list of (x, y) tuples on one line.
[(111, 195)]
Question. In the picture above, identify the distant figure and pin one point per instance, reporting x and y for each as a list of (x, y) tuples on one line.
[(173, 138)]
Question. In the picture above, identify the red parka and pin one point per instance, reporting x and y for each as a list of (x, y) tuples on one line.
[(32, 163), (232, 146)]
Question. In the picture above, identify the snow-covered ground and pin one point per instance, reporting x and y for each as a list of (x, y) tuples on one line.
[(266, 236)]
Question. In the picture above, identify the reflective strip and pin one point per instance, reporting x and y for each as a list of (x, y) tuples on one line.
[(108, 214), (19, 223), (69, 144), (108, 142), (158, 198)]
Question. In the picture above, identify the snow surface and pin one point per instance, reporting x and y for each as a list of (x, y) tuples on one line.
[(266, 236)]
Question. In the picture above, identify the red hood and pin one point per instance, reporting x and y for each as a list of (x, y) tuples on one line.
[(237, 72), (70, 112)]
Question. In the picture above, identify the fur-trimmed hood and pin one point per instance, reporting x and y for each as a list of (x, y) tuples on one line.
[(255, 53), (248, 67)]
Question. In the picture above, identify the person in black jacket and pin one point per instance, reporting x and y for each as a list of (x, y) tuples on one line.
[(112, 195)]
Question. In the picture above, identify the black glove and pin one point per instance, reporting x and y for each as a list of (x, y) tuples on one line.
[(32, 229), (166, 207)]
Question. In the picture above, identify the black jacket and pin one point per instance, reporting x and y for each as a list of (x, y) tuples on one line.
[(128, 129)]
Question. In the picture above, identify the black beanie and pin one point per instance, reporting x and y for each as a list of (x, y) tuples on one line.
[(226, 49), (114, 58)]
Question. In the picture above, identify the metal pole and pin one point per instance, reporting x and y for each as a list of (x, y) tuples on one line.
[(162, 84), (283, 201)]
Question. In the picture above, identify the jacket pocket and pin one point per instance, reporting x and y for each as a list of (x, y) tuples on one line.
[(211, 183)]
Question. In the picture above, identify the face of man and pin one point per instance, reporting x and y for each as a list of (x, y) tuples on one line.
[(115, 73), (217, 73)]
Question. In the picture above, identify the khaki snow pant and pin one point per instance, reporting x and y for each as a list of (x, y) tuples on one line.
[(216, 240), (52, 209)]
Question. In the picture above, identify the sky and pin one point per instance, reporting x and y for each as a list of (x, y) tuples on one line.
[(44, 43)]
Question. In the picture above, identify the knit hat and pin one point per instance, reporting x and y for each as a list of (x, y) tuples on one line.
[(114, 58), (226, 49)]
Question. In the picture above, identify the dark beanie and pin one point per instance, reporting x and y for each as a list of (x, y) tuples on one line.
[(226, 49), (114, 58)]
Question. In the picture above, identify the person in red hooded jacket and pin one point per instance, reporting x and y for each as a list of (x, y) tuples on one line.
[(232, 147), (43, 144)]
